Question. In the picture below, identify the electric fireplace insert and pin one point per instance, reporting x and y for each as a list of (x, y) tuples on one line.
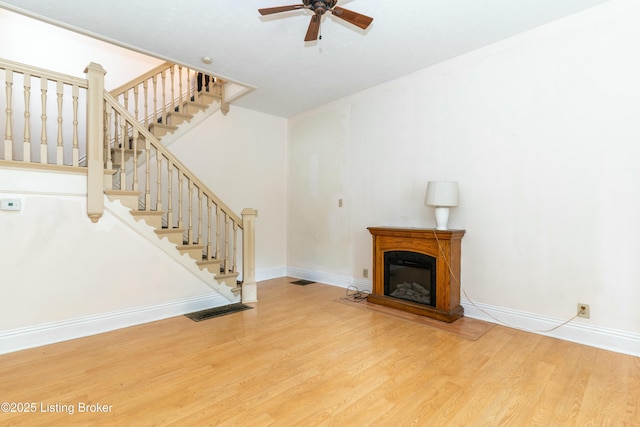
[(410, 276)]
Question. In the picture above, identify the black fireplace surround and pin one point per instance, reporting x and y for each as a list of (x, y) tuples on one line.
[(410, 276)]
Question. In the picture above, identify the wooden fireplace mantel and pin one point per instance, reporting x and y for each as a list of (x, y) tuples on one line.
[(444, 245)]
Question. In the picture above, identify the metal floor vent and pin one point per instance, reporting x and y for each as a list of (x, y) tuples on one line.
[(303, 282), (217, 311)]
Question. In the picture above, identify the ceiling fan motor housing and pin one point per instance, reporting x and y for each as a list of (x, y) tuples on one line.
[(320, 6)]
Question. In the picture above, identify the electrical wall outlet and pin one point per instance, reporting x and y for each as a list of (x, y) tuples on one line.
[(365, 273), (583, 310)]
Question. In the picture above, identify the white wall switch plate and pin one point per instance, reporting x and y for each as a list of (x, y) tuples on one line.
[(10, 205)]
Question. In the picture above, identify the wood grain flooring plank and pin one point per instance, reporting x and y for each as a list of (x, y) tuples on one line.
[(302, 358)]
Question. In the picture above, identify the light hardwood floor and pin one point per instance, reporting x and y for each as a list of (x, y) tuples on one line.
[(300, 358)]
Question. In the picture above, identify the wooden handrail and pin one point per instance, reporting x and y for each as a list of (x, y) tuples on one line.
[(41, 72)]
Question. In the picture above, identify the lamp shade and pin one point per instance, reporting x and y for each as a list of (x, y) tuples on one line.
[(442, 193)]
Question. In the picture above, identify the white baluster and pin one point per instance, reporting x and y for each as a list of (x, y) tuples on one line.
[(107, 138), (26, 147), (145, 86), (170, 194), (159, 181), (199, 216), (60, 145), (218, 212), (8, 133), (154, 119), (181, 103), (43, 134), (235, 246), (163, 77), (134, 147), (123, 144), (147, 184), (180, 184), (209, 242), (227, 268), (172, 70), (190, 228), (136, 98), (75, 150)]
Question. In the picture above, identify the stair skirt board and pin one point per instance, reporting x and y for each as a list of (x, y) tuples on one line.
[(302, 282), (217, 311)]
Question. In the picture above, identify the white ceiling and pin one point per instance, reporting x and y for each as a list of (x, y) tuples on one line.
[(268, 53)]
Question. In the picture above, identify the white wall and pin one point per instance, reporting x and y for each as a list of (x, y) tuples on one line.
[(541, 132), (39, 44), (60, 268), (241, 157)]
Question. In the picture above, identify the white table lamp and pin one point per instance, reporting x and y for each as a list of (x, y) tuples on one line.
[(442, 195)]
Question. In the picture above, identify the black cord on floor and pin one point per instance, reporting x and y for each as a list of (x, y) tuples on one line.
[(355, 295)]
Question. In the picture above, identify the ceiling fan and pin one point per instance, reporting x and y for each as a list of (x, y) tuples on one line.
[(319, 8)]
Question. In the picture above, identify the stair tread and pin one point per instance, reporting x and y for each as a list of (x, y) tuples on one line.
[(152, 213), (122, 192), (221, 275), (170, 230), (196, 104), (209, 261), (126, 150), (162, 125), (180, 114)]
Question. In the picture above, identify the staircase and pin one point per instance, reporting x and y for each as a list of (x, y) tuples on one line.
[(125, 159)]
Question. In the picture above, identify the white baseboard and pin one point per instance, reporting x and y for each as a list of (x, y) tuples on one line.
[(575, 331), (270, 273), (329, 278), (49, 333)]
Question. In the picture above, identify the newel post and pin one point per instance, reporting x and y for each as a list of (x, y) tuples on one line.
[(95, 144), (249, 287)]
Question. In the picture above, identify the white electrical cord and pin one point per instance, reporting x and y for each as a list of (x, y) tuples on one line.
[(501, 322)]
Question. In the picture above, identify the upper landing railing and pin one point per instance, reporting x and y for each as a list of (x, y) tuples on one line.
[(45, 129), (166, 89)]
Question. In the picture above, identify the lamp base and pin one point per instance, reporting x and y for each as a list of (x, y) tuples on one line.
[(442, 217)]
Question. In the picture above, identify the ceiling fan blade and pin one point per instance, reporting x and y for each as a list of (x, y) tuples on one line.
[(278, 9), (314, 29), (352, 17)]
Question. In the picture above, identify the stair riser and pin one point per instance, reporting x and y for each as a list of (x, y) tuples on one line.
[(129, 201), (159, 132), (175, 238), (153, 220), (195, 253), (231, 281), (213, 268), (192, 109), (207, 98), (177, 120)]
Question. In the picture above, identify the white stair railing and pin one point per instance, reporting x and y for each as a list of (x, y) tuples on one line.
[(165, 184), (75, 118)]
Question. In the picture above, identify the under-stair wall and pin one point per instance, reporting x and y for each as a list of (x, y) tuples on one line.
[(65, 277)]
